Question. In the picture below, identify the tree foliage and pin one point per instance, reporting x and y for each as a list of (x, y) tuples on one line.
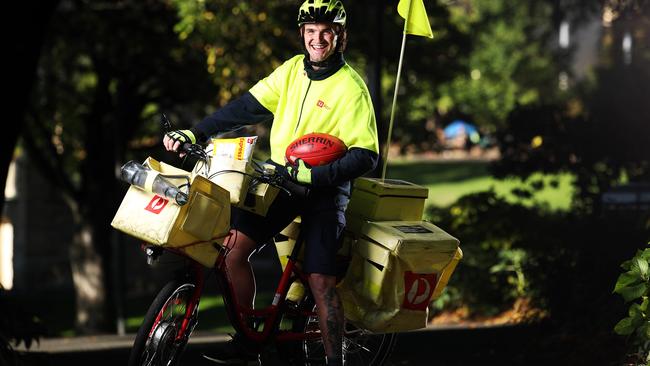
[(510, 63), (241, 41), (25, 48), (634, 285), (95, 96), (597, 131), (486, 59), (16, 327)]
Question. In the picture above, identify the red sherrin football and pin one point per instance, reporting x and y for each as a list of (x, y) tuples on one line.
[(315, 149)]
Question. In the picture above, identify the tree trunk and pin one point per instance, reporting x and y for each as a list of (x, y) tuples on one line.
[(88, 253), (88, 277), (24, 49)]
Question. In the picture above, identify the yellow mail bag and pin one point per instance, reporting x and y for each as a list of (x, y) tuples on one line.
[(397, 268), (190, 229)]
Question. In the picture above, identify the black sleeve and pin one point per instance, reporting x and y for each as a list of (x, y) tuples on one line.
[(243, 111), (355, 163)]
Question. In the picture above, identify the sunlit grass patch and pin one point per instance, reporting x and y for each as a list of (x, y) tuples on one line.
[(448, 181)]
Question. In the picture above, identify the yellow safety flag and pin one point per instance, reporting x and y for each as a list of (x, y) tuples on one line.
[(417, 21)]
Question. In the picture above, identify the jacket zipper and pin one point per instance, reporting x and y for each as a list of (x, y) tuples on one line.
[(302, 106)]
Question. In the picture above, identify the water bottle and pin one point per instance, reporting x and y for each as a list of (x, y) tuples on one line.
[(136, 174)]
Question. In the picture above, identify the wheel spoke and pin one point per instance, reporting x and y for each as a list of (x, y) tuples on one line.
[(355, 345), (148, 359), (360, 347), (162, 345)]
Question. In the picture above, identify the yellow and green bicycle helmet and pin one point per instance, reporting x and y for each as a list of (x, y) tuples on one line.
[(321, 11)]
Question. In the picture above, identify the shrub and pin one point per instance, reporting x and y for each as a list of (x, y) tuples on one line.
[(16, 326), (633, 286), (501, 242)]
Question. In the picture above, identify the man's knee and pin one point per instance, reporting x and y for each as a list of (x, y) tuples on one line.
[(240, 247), (321, 284)]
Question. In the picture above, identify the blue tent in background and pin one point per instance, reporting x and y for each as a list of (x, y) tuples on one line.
[(460, 127)]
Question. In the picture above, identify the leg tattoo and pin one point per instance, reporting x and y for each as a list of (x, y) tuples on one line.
[(334, 323)]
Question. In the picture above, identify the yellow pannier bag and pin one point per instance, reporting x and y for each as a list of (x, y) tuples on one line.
[(397, 268), (191, 229)]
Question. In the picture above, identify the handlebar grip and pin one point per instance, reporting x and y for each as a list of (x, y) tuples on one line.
[(194, 150)]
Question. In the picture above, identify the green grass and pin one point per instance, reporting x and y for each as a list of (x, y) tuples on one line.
[(212, 314), (448, 181)]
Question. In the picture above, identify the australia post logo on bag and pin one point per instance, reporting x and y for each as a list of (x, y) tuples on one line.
[(156, 204), (418, 288)]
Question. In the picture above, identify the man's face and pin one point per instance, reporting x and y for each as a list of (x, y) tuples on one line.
[(320, 41)]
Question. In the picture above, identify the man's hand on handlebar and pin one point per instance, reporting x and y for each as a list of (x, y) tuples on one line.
[(175, 139)]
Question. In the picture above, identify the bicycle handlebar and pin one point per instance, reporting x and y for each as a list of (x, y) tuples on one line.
[(285, 183), (273, 178)]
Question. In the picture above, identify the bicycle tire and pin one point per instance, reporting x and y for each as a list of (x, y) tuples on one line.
[(152, 345), (360, 347)]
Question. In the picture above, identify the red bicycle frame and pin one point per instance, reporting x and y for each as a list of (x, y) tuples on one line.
[(271, 315), (241, 316)]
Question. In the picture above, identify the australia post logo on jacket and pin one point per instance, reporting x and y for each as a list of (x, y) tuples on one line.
[(322, 104), (156, 204)]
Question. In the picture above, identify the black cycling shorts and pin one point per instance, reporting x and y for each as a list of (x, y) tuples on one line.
[(322, 224)]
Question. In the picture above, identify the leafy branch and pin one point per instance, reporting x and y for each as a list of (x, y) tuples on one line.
[(633, 285)]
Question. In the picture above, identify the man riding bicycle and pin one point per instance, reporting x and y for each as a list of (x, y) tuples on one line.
[(316, 91)]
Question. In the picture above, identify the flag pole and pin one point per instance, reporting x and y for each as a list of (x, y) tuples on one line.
[(392, 110)]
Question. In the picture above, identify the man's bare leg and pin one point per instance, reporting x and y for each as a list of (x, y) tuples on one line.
[(330, 314), (238, 267)]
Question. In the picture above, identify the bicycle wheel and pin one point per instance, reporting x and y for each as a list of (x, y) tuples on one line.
[(360, 347), (158, 342)]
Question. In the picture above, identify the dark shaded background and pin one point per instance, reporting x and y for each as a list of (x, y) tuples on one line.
[(88, 80)]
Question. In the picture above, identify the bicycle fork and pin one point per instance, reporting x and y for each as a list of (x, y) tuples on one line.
[(198, 278)]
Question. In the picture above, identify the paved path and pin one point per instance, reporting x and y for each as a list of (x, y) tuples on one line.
[(434, 346), (491, 346)]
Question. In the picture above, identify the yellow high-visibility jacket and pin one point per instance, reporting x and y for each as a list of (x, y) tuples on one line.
[(338, 104)]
